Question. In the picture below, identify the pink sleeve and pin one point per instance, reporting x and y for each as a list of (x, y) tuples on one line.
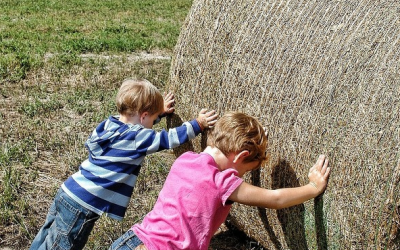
[(227, 182)]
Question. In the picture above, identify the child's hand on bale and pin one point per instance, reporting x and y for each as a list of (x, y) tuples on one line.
[(207, 119), (319, 174), (169, 104)]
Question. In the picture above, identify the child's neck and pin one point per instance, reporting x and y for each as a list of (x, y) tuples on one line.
[(132, 119), (223, 162)]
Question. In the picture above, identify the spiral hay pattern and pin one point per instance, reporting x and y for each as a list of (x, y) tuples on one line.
[(324, 77)]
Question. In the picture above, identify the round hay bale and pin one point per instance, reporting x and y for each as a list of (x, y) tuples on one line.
[(324, 78)]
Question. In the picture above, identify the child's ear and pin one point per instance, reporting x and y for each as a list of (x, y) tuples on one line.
[(241, 156), (142, 116)]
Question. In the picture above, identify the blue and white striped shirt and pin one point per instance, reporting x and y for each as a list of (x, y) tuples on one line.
[(105, 181)]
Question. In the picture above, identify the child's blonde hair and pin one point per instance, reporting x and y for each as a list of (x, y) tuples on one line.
[(235, 132), (138, 96)]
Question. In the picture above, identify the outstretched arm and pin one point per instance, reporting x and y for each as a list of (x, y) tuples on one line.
[(152, 141), (281, 198)]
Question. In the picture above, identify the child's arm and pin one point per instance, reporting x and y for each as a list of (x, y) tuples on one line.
[(150, 141), (281, 198)]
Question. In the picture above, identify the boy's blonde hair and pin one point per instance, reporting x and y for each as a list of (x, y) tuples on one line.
[(138, 96), (235, 132)]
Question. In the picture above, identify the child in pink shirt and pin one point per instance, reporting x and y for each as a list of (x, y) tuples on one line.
[(200, 189)]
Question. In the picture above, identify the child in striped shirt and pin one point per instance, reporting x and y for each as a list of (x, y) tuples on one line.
[(104, 182)]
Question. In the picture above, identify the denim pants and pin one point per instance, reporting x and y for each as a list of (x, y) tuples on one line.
[(128, 241), (67, 226)]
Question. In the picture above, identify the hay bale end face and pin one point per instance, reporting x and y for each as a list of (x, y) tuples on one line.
[(324, 78)]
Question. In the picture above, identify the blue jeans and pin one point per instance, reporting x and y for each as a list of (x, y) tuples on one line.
[(128, 241), (68, 225)]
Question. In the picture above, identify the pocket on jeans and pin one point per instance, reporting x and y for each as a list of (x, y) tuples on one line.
[(61, 243), (67, 214)]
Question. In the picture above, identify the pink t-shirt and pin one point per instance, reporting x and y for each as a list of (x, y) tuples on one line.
[(191, 206)]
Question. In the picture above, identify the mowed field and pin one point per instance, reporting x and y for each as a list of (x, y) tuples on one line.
[(60, 67)]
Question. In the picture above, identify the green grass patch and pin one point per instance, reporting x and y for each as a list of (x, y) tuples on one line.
[(30, 29), (35, 107)]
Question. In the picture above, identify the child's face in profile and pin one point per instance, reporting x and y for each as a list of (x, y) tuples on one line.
[(149, 120), (247, 167)]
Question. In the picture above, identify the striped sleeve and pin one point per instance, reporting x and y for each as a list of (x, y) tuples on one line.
[(151, 141)]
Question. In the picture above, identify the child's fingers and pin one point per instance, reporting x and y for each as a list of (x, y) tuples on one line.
[(212, 117), (212, 122), (203, 111), (318, 165), (320, 162), (169, 103), (325, 166), (169, 100), (209, 113), (169, 96), (327, 173)]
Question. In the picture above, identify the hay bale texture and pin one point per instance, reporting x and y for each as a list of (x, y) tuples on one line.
[(324, 77)]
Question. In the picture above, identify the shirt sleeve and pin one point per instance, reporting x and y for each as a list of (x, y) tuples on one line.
[(228, 182), (151, 141)]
